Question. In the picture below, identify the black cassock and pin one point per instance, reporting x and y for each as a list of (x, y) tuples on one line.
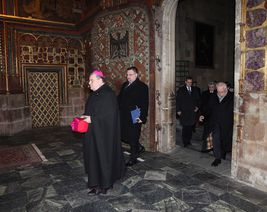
[(103, 157)]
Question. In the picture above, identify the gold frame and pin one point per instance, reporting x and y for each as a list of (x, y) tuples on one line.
[(62, 74), (19, 19)]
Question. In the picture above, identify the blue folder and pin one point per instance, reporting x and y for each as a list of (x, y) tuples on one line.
[(135, 114)]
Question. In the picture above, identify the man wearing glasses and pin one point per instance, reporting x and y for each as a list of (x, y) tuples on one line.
[(133, 95)]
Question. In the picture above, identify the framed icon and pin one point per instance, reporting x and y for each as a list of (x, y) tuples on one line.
[(204, 45)]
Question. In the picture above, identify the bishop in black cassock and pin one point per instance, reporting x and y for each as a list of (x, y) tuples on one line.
[(103, 157)]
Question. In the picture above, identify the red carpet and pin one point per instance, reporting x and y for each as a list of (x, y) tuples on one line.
[(12, 157)]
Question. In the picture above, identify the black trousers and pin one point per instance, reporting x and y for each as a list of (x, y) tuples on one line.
[(134, 135), (218, 149), (187, 134)]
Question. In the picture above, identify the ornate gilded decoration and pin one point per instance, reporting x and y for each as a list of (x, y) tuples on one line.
[(42, 49), (44, 98), (2, 63), (56, 10), (112, 3)]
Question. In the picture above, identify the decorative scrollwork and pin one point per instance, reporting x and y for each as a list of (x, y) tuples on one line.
[(158, 63), (158, 97)]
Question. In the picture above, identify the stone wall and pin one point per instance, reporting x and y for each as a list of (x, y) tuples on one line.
[(75, 106), (219, 14), (14, 116), (251, 151)]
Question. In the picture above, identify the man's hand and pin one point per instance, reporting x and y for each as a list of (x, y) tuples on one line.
[(179, 113), (86, 118), (201, 118), (139, 120)]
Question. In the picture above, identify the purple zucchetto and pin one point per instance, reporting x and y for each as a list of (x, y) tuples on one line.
[(98, 73)]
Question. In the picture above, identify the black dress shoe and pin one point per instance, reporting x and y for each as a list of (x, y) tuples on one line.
[(216, 162), (187, 144), (206, 150), (131, 162), (141, 149), (92, 191), (101, 191)]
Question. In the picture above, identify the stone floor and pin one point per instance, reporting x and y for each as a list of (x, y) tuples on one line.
[(163, 182), (192, 154)]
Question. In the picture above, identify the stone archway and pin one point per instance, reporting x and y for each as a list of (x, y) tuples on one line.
[(165, 75)]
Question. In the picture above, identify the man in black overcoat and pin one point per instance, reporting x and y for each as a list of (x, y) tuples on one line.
[(133, 94), (221, 107), (103, 157), (187, 105)]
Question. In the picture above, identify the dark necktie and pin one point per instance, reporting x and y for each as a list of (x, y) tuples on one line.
[(127, 86), (189, 90)]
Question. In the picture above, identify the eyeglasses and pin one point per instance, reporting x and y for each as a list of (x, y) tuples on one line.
[(130, 74)]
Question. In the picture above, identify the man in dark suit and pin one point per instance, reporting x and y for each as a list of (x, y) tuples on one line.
[(187, 105), (133, 94), (221, 107), (204, 110)]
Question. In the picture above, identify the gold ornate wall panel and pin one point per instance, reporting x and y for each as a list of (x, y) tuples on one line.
[(53, 10), (42, 49), (2, 63), (43, 92), (112, 3)]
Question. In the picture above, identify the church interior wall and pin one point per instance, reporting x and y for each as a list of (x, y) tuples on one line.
[(218, 14), (249, 141), (21, 46), (250, 147), (41, 49), (14, 116), (120, 39), (78, 41)]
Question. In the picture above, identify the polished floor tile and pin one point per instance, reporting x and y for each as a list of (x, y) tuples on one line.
[(182, 180)]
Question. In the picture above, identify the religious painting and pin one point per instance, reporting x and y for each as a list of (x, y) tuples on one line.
[(119, 45), (53, 10), (204, 45)]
